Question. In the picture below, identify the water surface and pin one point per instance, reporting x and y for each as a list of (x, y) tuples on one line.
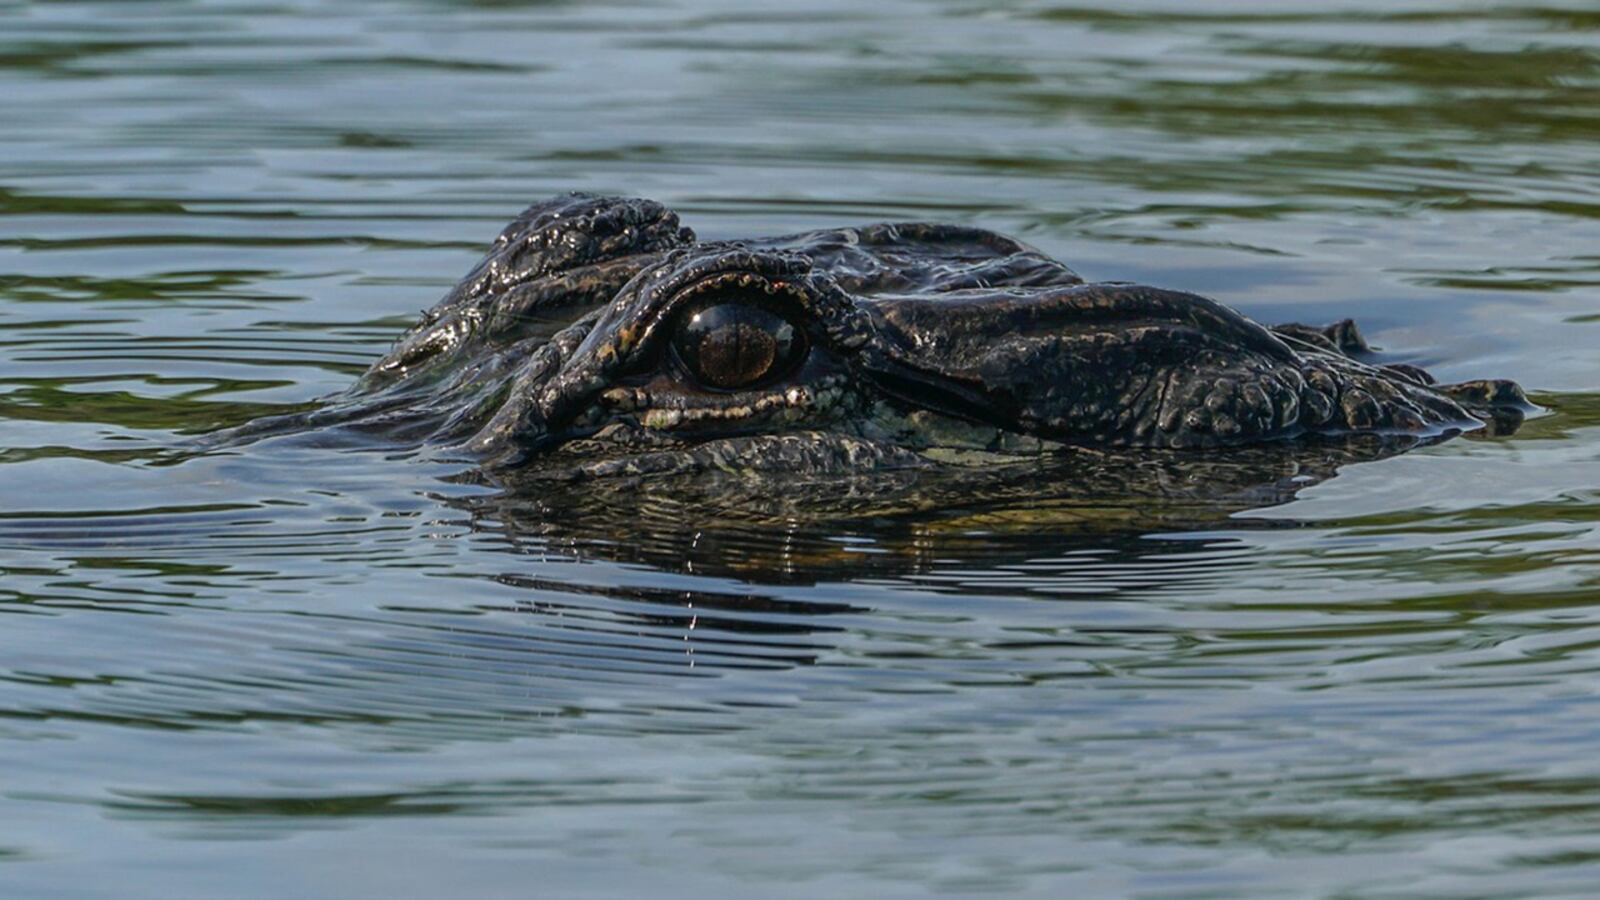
[(294, 671)]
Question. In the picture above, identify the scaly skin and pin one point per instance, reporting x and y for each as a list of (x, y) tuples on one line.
[(923, 344)]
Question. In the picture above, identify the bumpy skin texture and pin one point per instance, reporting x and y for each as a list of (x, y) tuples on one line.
[(924, 344)]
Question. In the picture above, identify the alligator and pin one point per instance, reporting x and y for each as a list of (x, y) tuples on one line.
[(600, 337)]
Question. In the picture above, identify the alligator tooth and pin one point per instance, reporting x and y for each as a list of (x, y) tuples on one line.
[(622, 399), (662, 418)]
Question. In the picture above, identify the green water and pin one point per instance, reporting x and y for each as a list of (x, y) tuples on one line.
[(292, 672)]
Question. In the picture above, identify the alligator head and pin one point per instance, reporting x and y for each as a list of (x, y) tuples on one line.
[(599, 337)]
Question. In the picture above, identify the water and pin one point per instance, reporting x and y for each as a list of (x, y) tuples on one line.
[(293, 672)]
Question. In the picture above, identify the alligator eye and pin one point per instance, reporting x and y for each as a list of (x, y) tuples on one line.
[(734, 345)]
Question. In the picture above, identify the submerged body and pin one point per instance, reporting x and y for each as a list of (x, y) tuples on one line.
[(599, 337)]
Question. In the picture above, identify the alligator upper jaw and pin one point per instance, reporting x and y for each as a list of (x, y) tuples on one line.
[(957, 330), (1016, 360)]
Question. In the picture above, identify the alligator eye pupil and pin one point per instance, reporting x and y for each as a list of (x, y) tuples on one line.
[(731, 346), (736, 354)]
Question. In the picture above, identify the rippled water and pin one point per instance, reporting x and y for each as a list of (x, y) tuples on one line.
[(300, 672)]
